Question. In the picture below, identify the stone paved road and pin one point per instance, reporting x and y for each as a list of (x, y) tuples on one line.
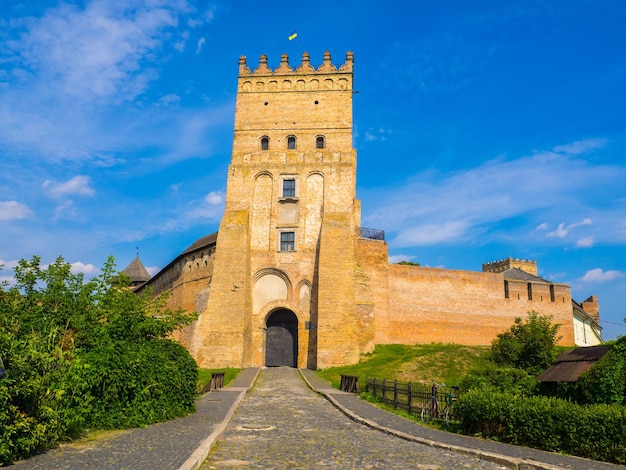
[(282, 424)]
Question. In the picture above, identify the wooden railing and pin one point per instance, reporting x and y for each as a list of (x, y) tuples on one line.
[(412, 397)]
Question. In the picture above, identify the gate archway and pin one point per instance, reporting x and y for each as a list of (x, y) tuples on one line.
[(281, 340)]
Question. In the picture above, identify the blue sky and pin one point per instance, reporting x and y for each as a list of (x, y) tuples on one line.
[(483, 129)]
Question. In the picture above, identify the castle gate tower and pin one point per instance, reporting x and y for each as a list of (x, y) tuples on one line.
[(282, 291)]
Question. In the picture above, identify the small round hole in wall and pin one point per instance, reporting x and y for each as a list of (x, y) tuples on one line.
[(266, 103), (317, 102)]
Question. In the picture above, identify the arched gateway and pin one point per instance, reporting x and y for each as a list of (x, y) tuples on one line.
[(281, 341)]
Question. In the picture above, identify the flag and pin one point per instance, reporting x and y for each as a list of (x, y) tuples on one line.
[(293, 35)]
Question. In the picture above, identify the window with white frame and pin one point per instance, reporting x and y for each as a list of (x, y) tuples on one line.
[(289, 187), (287, 241)]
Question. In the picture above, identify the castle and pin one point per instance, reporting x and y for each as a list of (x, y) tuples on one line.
[(292, 278)]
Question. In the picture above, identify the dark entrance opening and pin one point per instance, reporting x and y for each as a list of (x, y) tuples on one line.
[(281, 343)]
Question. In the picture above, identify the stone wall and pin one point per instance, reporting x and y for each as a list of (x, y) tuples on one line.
[(465, 307)]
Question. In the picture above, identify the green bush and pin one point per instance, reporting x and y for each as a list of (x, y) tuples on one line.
[(85, 355), (605, 382), (502, 379), (529, 345), (593, 431)]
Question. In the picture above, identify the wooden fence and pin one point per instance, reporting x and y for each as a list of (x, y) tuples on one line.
[(413, 397)]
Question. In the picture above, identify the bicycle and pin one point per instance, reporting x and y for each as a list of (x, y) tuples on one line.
[(450, 399), (432, 412)]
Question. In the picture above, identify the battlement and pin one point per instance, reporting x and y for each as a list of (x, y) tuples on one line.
[(305, 67), (528, 266)]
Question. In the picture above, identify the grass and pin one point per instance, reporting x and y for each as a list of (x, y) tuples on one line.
[(204, 376), (447, 363)]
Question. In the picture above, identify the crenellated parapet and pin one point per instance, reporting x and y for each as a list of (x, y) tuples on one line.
[(526, 265), (305, 67)]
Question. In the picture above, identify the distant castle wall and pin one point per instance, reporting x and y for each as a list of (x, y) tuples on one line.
[(529, 266), (465, 307)]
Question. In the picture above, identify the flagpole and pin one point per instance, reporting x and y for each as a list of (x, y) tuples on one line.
[(292, 36)]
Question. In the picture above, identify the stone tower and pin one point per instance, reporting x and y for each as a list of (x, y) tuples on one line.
[(284, 274)]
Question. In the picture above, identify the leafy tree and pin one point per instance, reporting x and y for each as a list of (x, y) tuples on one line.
[(605, 382), (529, 345), (408, 263), (82, 355)]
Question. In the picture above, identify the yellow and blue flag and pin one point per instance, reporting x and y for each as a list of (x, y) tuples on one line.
[(293, 35)]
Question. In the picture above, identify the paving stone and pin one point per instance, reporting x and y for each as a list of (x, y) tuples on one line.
[(283, 424)]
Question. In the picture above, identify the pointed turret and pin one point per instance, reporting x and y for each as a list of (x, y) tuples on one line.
[(137, 273)]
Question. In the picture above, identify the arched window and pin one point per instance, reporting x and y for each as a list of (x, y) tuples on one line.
[(291, 142), (320, 142), (265, 142)]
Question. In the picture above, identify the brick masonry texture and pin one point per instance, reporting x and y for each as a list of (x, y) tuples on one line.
[(294, 124)]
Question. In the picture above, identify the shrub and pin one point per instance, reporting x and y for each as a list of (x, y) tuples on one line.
[(592, 431), (85, 355), (605, 382), (502, 379)]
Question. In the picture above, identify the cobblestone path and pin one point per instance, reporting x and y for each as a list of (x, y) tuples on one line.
[(283, 424)]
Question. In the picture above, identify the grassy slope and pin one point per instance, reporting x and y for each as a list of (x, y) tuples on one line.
[(446, 363)]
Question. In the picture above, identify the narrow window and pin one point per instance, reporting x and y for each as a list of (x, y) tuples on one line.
[(319, 142), (551, 293), (289, 188), (265, 142), (530, 291), (506, 289), (287, 241), (291, 142)]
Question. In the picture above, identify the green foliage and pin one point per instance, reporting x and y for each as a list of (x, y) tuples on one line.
[(501, 379), (605, 382), (408, 263), (593, 431), (82, 355), (529, 345)]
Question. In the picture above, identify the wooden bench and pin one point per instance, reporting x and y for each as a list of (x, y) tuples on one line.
[(217, 381), (349, 383)]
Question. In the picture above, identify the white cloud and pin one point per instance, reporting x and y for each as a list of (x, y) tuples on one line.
[(477, 204), (169, 99), (586, 242), (429, 234), (201, 43), (562, 230), (78, 185), (214, 198), (63, 209), (87, 269), (598, 275), (79, 80), (8, 264), (12, 210), (397, 258), (98, 51), (376, 134), (581, 146)]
